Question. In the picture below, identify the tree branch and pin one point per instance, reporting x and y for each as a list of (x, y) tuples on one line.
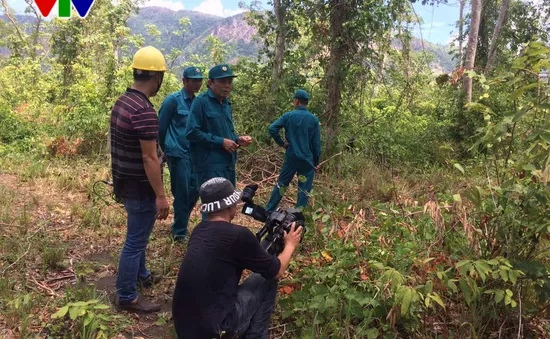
[(12, 20)]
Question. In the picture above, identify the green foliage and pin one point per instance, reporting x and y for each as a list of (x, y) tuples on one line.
[(88, 317), (431, 213), (52, 255)]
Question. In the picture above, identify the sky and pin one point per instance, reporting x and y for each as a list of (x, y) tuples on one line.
[(437, 27)]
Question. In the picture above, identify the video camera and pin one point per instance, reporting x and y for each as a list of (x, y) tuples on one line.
[(275, 224)]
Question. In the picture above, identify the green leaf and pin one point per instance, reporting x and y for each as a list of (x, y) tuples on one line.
[(462, 263), (325, 218), (302, 178), (459, 167), (79, 304), (499, 295), (509, 293), (504, 274), (519, 92), (61, 312), (529, 167), (160, 321), (372, 333), (73, 312), (101, 307), (545, 137), (427, 302), (481, 271), (493, 262), (507, 300), (456, 197), (513, 277), (452, 286), (474, 195), (521, 113), (104, 317), (429, 287), (437, 299), (88, 319), (466, 291), (407, 300)]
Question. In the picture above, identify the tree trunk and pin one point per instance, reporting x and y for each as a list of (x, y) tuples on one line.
[(280, 12), (334, 74), (496, 34), (472, 46), (461, 34), (406, 50)]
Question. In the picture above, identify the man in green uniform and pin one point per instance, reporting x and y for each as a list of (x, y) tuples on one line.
[(210, 129), (303, 150), (173, 116)]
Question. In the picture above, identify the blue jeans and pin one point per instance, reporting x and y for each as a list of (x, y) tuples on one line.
[(141, 218), (288, 171), (185, 192), (252, 310)]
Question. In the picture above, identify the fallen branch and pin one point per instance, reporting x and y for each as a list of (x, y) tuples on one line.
[(334, 156), (17, 260), (26, 252), (51, 292)]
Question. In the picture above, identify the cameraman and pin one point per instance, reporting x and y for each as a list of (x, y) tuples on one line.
[(208, 300)]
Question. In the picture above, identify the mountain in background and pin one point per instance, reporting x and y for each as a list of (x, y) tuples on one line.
[(234, 31)]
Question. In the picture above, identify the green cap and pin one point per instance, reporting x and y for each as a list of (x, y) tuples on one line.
[(301, 94), (220, 72), (192, 72)]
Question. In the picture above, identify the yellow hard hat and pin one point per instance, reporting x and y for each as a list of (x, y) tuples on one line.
[(149, 59)]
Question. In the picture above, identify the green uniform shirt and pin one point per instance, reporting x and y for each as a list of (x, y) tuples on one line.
[(173, 116), (209, 123), (303, 134)]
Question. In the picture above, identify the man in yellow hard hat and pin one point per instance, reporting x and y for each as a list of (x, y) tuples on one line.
[(137, 177)]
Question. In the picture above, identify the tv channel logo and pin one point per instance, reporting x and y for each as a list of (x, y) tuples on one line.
[(64, 7)]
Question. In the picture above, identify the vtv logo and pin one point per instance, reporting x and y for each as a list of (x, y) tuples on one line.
[(64, 7)]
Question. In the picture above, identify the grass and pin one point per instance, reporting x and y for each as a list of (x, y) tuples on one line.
[(52, 227), (56, 225)]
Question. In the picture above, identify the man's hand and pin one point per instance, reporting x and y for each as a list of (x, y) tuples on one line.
[(316, 168), (286, 144), (230, 145), (244, 141), (163, 208), (293, 238)]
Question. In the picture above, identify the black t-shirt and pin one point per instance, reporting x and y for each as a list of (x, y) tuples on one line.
[(206, 288)]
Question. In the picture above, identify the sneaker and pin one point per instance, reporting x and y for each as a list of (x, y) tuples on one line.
[(139, 305), (151, 280)]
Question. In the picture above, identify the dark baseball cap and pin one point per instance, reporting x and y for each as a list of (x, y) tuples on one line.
[(192, 72), (301, 94), (217, 194), (221, 71)]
